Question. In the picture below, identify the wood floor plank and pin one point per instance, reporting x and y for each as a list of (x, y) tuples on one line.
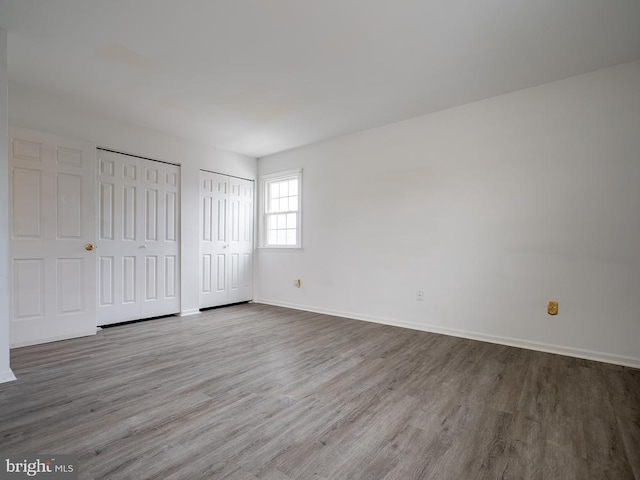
[(255, 392), (629, 426)]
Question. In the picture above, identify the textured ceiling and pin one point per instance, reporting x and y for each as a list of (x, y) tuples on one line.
[(258, 77)]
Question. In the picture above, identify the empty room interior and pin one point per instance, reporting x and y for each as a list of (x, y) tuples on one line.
[(278, 240)]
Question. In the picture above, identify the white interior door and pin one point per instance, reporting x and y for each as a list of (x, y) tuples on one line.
[(240, 250), (138, 238), (226, 239), (52, 220)]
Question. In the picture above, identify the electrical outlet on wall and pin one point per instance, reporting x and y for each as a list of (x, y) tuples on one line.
[(420, 295)]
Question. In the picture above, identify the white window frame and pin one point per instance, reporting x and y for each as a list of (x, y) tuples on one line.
[(265, 180)]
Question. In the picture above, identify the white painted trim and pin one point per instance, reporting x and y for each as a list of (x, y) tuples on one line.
[(286, 173), (511, 342), (7, 376), (39, 341), (190, 311)]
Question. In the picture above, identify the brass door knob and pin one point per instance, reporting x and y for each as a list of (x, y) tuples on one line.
[(90, 247)]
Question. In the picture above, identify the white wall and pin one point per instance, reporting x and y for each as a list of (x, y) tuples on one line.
[(492, 209), (5, 310), (40, 111)]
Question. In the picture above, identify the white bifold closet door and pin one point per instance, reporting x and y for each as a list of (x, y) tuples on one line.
[(226, 239), (51, 233), (138, 238)]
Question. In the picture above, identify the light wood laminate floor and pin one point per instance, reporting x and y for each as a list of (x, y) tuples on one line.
[(258, 392)]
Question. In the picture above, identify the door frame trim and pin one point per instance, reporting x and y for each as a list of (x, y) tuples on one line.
[(232, 176), (137, 156)]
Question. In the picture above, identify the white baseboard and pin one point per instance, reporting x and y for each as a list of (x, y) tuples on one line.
[(38, 341), (512, 342), (190, 311), (7, 376)]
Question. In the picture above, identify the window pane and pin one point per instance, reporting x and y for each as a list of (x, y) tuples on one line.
[(282, 222), (293, 187), (273, 205), (284, 204), (272, 223), (284, 189), (293, 204), (291, 237), (291, 220), (282, 237), (274, 190), (273, 236)]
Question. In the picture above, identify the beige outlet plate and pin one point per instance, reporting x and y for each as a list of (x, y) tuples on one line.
[(552, 307)]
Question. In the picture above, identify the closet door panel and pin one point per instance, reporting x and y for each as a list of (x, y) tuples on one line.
[(139, 224), (226, 239)]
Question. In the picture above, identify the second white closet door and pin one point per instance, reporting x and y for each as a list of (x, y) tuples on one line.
[(226, 239), (138, 246)]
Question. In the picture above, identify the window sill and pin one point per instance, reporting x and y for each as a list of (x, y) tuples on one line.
[(280, 249)]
